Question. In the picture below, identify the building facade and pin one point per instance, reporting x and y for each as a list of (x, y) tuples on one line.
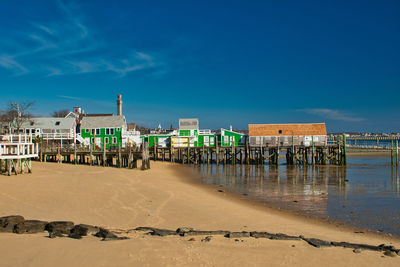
[(103, 131)]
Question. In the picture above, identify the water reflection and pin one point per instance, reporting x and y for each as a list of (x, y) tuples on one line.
[(360, 194)]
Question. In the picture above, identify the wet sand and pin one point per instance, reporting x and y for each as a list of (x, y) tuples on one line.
[(164, 197)]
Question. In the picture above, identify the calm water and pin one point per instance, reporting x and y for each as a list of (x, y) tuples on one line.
[(364, 194)]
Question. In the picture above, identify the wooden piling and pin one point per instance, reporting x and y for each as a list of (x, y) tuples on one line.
[(397, 152)]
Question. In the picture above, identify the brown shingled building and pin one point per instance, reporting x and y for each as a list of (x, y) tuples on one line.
[(271, 135), (287, 129)]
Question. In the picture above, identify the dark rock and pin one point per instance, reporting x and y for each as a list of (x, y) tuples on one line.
[(192, 239), (183, 230), (156, 231), (206, 239), (144, 229), (260, 234), (30, 227), (108, 236), (78, 231), (318, 243), (7, 223), (218, 232), (60, 228), (91, 230), (278, 236), (163, 232), (219, 190), (237, 234), (55, 234), (390, 253)]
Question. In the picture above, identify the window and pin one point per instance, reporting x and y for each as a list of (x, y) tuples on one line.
[(280, 131), (86, 130), (27, 131), (107, 130), (97, 131), (226, 139), (106, 140), (57, 123), (92, 140), (112, 131), (92, 130), (114, 140), (118, 129)]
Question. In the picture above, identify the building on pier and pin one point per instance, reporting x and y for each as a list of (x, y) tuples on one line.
[(52, 130), (304, 134), (229, 138), (103, 130)]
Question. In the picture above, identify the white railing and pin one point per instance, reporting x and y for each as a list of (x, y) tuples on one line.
[(17, 147), (204, 131), (15, 139), (57, 136)]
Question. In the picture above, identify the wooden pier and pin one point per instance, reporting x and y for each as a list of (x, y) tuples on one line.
[(16, 152), (116, 157), (293, 154)]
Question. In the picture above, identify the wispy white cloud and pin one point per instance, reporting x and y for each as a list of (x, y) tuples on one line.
[(69, 47), (331, 114), (69, 97), (9, 62)]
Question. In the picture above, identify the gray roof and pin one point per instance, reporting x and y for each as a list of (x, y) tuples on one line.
[(50, 123), (188, 124), (102, 122)]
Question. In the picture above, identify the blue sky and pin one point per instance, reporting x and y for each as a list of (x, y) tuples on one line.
[(225, 62)]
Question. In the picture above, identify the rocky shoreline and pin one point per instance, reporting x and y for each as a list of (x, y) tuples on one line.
[(18, 225)]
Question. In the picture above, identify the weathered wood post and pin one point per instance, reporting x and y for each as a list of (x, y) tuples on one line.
[(41, 151), (203, 154), (246, 152), (15, 163), (216, 152), (119, 156), (9, 166), (104, 154), (90, 155), (391, 153), (188, 151), (339, 152), (312, 151), (233, 156), (277, 153), (344, 151), (397, 152), (145, 157), (155, 152)]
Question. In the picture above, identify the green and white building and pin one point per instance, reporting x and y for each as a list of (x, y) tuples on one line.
[(103, 130), (229, 137)]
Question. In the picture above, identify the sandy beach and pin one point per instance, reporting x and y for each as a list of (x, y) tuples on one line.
[(163, 197)]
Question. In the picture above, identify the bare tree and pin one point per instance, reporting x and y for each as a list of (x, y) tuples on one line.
[(60, 113), (17, 114)]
